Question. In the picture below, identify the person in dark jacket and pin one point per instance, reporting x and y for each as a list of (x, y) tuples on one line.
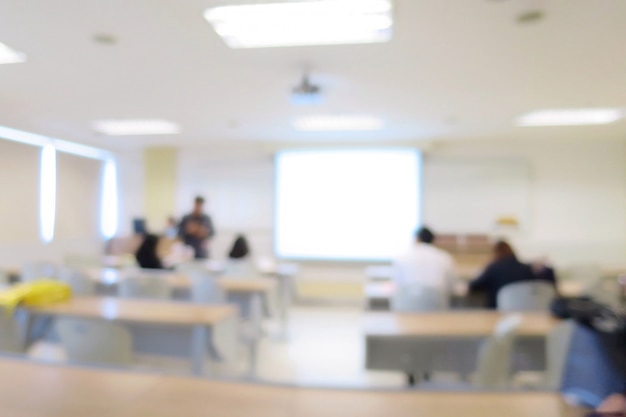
[(146, 255), (503, 270)]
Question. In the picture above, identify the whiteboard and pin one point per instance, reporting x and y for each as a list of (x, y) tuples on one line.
[(464, 195)]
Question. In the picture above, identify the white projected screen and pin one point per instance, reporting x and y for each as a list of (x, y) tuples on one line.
[(346, 205)]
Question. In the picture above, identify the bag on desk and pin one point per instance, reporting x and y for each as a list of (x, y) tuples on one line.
[(33, 294)]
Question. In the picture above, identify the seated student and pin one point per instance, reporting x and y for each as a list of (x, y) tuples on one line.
[(240, 248), (425, 267), (503, 270), (146, 255), (239, 257)]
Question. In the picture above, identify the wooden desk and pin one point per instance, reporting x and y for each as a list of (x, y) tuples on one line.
[(447, 341), (452, 324), (139, 311), (165, 313), (38, 390)]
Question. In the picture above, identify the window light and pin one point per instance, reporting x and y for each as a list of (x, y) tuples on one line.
[(304, 22), (109, 200), (47, 193), (10, 56)]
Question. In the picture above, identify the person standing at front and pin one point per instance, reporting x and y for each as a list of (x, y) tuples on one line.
[(196, 229)]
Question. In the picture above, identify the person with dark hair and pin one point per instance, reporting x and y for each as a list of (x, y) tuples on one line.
[(504, 269), (240, 248), (424, 266), (146, 255), (424, 235), (239, 260), (196, 229)]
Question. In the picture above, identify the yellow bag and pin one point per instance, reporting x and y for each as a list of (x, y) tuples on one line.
[(33, 294)]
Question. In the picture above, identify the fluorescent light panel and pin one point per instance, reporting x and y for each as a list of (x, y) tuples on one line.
[(136, 127), (570, 117), (338, 123), (10, 56), (304, 22)]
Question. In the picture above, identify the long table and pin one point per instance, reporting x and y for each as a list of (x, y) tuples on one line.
[(160, 313), (423, 342), (180, 281), (37, 390)]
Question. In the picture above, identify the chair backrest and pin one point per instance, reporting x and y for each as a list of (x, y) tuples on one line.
[(95, 341), (4, 280), (493, 369), (557, 348), (80, 283), (10, 338), (205, 289), (155, 287), (34, 270), (419, 299), (526, 296)]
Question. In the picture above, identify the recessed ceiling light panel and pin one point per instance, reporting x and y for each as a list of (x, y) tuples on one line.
[(135, 127), (337, 123), (10, 56), (304, 22), (570, 117)]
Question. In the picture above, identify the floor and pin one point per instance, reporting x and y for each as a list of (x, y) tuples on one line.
[(324, 346)]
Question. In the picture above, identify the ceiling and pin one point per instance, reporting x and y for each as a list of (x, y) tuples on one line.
[(455, 69)]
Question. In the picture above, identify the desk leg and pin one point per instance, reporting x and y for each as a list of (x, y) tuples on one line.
[(198, 350), (283, 305), (33, 327), (256, 315)]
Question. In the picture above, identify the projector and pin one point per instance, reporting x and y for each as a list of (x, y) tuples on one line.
[(306, 93)]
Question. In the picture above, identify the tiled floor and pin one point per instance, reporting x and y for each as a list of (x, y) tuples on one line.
[(324, 347)]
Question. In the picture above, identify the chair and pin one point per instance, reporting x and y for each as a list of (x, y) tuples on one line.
[(4, 280), (493, 363), (79, 282), (32, 271), (557, 348), (205, 289), (526, 296), (95, 341), (154, 287), (10, 338), (419, 299), (493, 370)]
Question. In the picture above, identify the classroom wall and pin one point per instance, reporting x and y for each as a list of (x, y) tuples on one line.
[(77, 226), (160, 173), (574, 197), (239, 189)]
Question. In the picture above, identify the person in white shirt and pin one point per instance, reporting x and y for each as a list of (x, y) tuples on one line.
[(424, 276)]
